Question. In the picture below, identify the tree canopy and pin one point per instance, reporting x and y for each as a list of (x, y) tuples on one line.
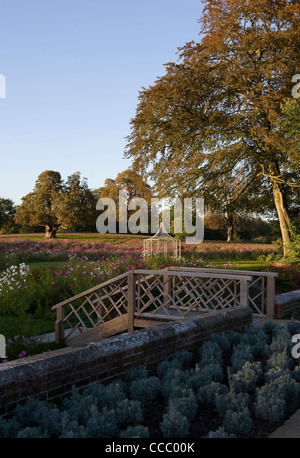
[(7, 213), (55, 204), (215, 115)]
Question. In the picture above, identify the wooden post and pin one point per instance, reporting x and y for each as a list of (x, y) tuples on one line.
[(270, 297), (59, 326), (167, 279), (131, 300), (244, 292)]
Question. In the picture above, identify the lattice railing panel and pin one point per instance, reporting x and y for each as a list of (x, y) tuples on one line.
[(259, 291), (184, 294), (97, 306), (257, 295)]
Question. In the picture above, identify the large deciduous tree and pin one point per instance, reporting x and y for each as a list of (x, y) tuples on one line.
[(7, 213), (54, 204), (219, 106), (134, 186)]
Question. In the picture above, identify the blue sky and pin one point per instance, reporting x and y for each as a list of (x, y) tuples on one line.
[(73, 72)]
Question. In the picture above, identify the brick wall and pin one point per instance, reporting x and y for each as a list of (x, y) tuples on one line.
[(52, 375), (286, 302)]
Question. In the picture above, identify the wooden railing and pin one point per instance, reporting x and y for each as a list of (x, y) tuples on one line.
[(140, 298), (261, 287)]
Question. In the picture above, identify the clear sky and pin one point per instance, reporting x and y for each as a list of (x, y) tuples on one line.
[(73, 72)]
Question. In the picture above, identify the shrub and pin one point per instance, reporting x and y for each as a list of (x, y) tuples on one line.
[(281, 341), (185, 405), (283, 387), (173, 379), (32, 432), (274, 373), (270, 329), (210, 353), (167, 366), (38, 414), (71, 429), (296, 373), (183, 359), (174, 424), (242, 353), (293, 327), (222, 340), (145, 390), (279, 360), (136, 373), (132, 432), (129, 412), (269, 407), (207, 394), (258, 341), (177, 362), (9, 428), (220, 433), (238, 422), (78, 406), (231, 401), (247, 378), (30, 413), (234, 338), (205, 375), (108, 396), (101, 424)]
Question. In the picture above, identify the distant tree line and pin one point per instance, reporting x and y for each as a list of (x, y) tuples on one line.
[(55, 205)]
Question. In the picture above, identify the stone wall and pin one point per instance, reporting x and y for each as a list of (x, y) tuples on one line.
[(52, 375), (286, 302)]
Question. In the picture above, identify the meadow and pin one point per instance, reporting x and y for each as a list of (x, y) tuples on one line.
[(36, 274)]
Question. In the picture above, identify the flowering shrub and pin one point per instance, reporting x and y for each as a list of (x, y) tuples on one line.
[(21, 346), (14, 278)]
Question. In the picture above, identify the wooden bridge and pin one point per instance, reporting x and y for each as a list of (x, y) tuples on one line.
[(143, 298)]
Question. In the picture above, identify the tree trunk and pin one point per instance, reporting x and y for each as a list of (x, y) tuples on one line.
[(280, 201), (283, 216), (50, 232), (230, 226)]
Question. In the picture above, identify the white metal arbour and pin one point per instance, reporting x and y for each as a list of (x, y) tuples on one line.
[(162, 243)]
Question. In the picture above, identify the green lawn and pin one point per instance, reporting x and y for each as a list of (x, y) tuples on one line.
[(29, 326), (262, 266)]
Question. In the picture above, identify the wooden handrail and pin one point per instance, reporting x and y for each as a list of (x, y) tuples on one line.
[(185, 273), (232, 272), (89, 291)]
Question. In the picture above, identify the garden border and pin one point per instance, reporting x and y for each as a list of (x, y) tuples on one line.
[(52, 375)]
